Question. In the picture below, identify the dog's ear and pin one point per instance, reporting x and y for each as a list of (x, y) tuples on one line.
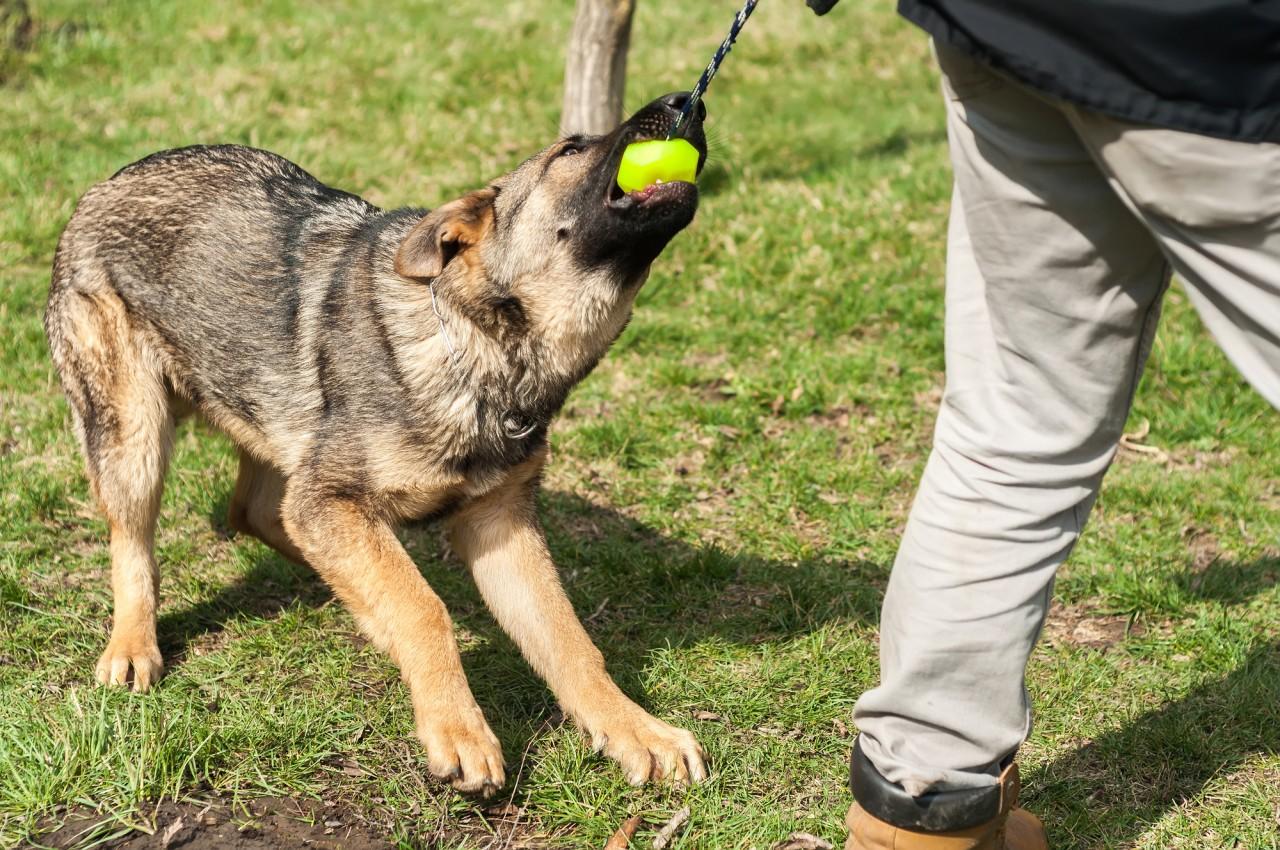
[(445, 233)]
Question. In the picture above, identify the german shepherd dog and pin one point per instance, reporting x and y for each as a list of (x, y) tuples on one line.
[(372, 368)]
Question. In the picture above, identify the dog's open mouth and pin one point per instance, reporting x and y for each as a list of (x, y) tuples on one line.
[(657, 193), (651, 172), (665, 184)]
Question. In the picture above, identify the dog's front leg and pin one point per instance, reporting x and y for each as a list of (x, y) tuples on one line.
[(359, 556), (503, 544)]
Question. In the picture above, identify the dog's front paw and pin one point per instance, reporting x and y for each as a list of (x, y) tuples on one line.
[(462, 750), (648, 749), (129, 651)]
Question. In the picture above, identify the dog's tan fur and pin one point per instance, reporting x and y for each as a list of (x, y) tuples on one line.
[(396, 366)]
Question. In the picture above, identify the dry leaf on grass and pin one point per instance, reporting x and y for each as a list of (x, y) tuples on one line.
[(503, 810), (621, 839), (172, 830), (670, 829), (802, 841), (1133, 443)]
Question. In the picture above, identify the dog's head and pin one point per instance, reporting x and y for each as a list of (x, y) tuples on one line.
[(556, 241)]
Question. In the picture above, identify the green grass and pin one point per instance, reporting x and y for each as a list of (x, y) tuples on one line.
[(726, 491)]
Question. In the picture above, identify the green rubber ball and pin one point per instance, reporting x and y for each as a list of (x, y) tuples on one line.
[(658, 161)]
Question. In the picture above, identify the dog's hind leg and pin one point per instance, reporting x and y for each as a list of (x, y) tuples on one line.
[(120, 405), (255, 506)]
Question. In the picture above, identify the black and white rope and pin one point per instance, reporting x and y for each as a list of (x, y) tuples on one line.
[(705, 80)]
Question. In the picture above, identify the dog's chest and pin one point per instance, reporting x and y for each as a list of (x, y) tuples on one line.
[(418, 503), (417, 480)]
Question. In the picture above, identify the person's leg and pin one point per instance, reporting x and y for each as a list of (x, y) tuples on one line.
[(1053, 291), (1214, 207)]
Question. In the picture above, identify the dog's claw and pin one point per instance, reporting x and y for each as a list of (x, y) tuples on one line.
[(141, 657), (464, 752), (648, 749)]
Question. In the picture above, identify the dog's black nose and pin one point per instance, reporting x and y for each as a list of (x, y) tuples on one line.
[(676, 101)]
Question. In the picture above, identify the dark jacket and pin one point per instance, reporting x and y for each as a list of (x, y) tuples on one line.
[(1207, 66)]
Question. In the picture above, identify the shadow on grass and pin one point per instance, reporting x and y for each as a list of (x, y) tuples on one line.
[(272, 584), (1230, 582), (636, 588), (1111, 790), (639, 590)]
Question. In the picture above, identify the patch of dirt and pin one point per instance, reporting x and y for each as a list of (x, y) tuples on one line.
[(1204, 549), (716, 389), (840, 417), (1077, 625), (689, 463), (271, 822), (264, 823), (738, 595)]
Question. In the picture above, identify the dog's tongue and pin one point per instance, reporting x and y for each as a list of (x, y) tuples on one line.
[(645, 164)]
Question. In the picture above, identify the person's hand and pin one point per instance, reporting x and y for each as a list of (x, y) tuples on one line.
[(821, 7)]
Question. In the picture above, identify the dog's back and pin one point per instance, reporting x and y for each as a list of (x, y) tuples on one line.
[(209, 264), (204, 242)]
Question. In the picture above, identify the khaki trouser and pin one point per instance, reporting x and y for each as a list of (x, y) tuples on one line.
[(1065, 225)]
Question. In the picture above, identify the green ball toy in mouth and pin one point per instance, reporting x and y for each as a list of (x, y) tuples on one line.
[(659, 161)]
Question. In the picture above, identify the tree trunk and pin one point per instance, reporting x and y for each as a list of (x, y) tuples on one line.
[(595, 73)]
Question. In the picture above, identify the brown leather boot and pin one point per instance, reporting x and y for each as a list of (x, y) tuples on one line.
[(984, 819)]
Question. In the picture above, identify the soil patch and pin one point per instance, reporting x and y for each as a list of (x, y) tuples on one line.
[(276, 823), (264, 823), (1078, 625)]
